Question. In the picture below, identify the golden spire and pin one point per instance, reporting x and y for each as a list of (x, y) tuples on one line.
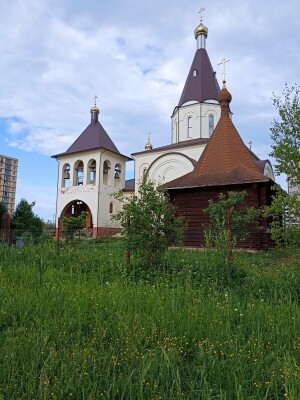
[(201, 29), (148, 145), (95, 108)]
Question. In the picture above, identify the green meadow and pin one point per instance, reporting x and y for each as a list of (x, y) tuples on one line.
[(84, 325)]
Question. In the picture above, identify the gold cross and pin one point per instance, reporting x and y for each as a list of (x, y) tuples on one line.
[(200, 12), (149, 134), (95, 100), (223, 61)]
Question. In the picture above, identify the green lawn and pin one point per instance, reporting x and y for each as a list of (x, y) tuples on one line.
[(83, 325)]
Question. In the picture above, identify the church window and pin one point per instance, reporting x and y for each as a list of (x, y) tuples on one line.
[(66, 176), (111, 208), (92, 172), (190, 127), (79, 173), (211, 124), (194, 73)]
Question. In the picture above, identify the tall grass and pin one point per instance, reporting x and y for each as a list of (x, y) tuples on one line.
[(83, 325)]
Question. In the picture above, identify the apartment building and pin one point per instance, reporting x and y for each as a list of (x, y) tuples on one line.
[(8, 181)]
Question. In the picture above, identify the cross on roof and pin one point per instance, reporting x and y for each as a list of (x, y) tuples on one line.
[(200, 12), (223, 61), (95, 100), (149, 134), (250, 144)]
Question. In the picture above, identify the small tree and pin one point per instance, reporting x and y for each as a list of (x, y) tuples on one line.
[(2, 211), (284, 211), (148, 223), (73, 226), (285, 133), (229, 223), (25, 223)]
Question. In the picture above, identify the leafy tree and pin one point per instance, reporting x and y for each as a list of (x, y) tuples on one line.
[(229, 222), (2, 211), (73, 226), (25, 223), (284, 211), (148, 223), (285, 133)]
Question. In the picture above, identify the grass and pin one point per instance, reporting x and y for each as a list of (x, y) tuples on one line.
[(83, 325)]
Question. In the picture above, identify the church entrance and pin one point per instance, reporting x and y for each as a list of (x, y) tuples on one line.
[(74, 209)]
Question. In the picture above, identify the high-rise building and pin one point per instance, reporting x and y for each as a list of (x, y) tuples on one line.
[(8, 182)]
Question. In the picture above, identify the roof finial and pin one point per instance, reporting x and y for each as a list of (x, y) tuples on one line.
[(250, 144), (95, 110), (201, 31), (224, 61), (148, 145)]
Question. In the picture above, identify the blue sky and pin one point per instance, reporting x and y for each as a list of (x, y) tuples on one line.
[(135, 56)]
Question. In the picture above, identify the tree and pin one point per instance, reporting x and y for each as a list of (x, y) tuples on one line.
[(229, 222), (25, 223), (285, 133), (2, 211), (284, 211), (73, 226), (148, 223)]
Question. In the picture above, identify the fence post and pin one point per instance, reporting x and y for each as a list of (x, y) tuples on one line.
[(127, 251), (58, 236), (229, 244)]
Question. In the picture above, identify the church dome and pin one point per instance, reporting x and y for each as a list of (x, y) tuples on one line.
[(95, 109), (201, 30), (224, 96), (148, 146)]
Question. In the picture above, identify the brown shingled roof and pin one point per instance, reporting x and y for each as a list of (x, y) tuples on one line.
[(225, 160), (203, 86)]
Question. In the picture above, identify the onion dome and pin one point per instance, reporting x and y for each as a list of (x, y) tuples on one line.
[(148, 145), (201, 30), (224, 99), (95, 109)]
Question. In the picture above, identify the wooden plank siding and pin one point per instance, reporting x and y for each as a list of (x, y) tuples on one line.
[(191, 202)]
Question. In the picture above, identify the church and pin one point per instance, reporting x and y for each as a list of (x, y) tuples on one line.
[(92, 168)]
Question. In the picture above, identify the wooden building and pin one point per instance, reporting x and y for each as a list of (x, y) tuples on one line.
[(226, 164)]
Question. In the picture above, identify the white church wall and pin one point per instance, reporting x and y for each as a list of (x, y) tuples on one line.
[(200, 121), (167, 164)]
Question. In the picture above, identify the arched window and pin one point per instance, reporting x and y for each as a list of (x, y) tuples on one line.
[(211, 124), (79, 173), (92, 172), (117, 175), (66, 176), (190, 127), (111, 208), (118, 171), (106, 172)]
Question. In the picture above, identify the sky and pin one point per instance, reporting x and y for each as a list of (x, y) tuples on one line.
[(56, 55)]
